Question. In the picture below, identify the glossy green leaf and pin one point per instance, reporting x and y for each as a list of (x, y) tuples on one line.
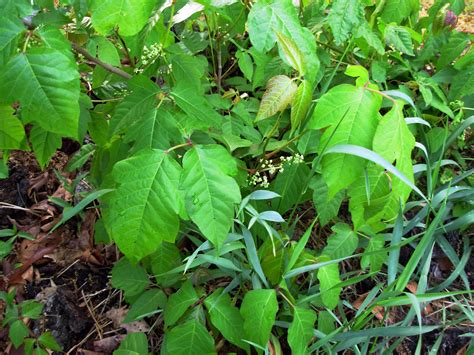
[(195, 106), (139, 103), (211, 192), (374, 260), (342, 243), (278, 95), (301, 103), (10, 33), (351, 115), (326, 208), (31, 309), (301, 330), (269, 17), (290, 185), (46, 84), (245, 64), (398, 10), (132, 279), (399, 38), (133, 344), (328, 277), (18, 332), (148, 302), (49, 342), (44, 144), (226, 317), (394, 142), (12, 132), (344, 18), (259, 308), (130, 16), (291, 53), (179, 302), (190, 338), (164, 259), (144, 209), (152, 130)]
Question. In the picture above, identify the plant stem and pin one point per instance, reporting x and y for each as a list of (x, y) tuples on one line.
[(271, 154), (187, 144), (97, 61)]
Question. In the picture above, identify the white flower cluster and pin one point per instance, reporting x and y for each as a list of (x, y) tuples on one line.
[(150, 55), (273, 168), (259, 180)]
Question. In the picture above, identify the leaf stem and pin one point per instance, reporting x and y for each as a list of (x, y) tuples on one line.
[(187, 144), (382, 94)]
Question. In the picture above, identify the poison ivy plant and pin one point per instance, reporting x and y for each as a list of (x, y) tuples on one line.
[(252, 161)]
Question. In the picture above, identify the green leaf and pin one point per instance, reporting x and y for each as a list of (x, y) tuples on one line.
[(462, 84), (44, 144), (12, 132), (328, 277), (130, 16), (344, 18), (190, 69), (278, 95), (190, 338), (226, 317), (133, 344), (394, 142), (148, 302), (195, 106), (151, 130), (269, 17), (10, 33), (47, 85), (375, 260), (144, 209), (370, 37), (300, 331), (31, 309), (49, 342), (456, 45), (399, 38), (259, 309), (266, 18), (164, 259), (211, 194), (18, 332), (398, 10), (245, 64), (291, 53), (107, 52), (301, 103), (290, 185), (341, 244), (351, 115), (139, 103), (326, 208), (129, 278), (179, 302)]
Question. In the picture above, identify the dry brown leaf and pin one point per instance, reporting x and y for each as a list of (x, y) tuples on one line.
[(109, 344), (117, 315), (378, 311)]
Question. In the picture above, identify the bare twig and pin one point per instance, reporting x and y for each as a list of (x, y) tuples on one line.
[(97, 61)]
